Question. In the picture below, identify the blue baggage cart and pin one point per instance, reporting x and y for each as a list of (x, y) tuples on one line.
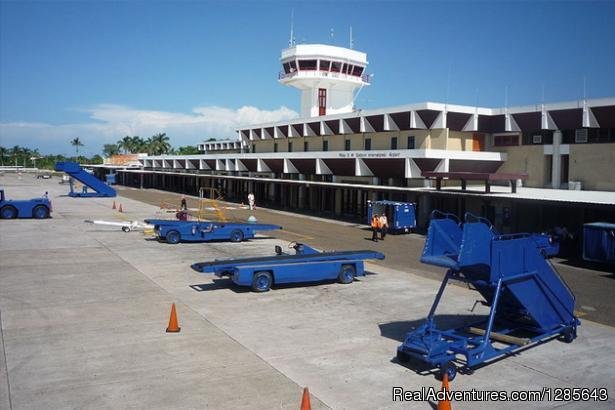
[(599, 242)]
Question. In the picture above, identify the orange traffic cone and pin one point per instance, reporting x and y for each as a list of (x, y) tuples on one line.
[(305, 401), (120, 209), (113, 207), (173, 326), (445, 404)]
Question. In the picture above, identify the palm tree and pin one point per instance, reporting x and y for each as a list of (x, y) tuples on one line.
[(16, 152), (110, 150), (76, 143), (159, 144), (125, 144)]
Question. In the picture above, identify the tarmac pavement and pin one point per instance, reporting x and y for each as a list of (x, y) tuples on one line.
[(83, 309)]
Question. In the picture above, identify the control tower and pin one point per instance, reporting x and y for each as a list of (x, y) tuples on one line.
[(326, 75)]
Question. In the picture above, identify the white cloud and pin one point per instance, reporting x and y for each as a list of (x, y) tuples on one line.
[(112, 122)]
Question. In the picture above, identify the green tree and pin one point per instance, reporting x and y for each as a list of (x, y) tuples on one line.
[(110, 149), (125, 144), (4, 152), (159, 144), (187, 150), (76, 143)]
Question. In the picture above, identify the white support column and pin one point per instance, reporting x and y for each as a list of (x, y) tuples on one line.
[(322, 168), (240, 166), (510, 125), (251, 135), (556, 163), (229, 165), (389, 123), (307, 131), (345, 128), (265, 134), (411, 169), (546, 122), (203, 165), (189, 164), (324, 129), (261, 166), (277, 133), (289, 167), (365, 126), (416, 121), (589, 120), (440, 121), (361, 169), (220, 165), (292, 132), (442, 165), (472, 124)]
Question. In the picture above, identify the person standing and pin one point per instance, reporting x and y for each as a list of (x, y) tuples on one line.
[(375, 223), (384, 226), (251, 201), (183, 205)]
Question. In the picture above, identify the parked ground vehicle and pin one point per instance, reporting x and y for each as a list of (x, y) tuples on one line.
[(202, 231), (305, 265), (38, 208), (599, 242), (529, 302)]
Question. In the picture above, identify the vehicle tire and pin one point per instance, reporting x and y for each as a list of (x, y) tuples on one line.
[(568, 335), (262, 281), (173, 237), (450, 369), (346, 274), (126, 228), (40, 212), (403, 357), (8, 212), (237, 235)]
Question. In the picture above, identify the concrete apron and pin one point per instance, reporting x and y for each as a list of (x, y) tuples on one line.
[(84, 310)]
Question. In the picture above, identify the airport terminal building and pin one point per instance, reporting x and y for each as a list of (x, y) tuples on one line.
[(557, 157)]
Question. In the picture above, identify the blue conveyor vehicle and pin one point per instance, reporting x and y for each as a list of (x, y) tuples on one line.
[(92, 186), (174, 231), (38, 208), (304, 265), (599, 242), (529, 302), (400, 215)]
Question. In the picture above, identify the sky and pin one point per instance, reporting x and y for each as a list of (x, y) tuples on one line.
[(100, 70)]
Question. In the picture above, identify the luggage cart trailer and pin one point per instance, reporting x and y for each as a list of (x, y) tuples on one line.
[(529, 302), (304, 265)]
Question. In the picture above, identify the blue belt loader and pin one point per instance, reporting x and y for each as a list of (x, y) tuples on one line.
[(305, 265), (529, 302)]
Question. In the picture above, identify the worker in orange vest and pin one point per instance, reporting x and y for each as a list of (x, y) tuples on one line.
[(375, 223)]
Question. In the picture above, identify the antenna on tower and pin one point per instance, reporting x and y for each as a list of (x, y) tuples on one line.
[(331, 36), (291, 40), (584, 88), (351, 40)]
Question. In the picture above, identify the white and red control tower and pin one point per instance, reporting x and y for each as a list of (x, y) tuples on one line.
[(327, 76)]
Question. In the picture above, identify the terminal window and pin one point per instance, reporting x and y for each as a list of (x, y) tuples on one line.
[(506, 140), (275, 147), (368, 144), (347, 145), (306, 146), (325, 145), (411, 141), (290, 147), (393, 142)]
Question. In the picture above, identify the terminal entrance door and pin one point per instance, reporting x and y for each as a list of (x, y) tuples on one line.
[(322, 101), (478, 142)]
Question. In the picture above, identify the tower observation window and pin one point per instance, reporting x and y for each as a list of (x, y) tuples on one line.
[(324, 65), (307, 64), (336, 67), (357, 71)]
